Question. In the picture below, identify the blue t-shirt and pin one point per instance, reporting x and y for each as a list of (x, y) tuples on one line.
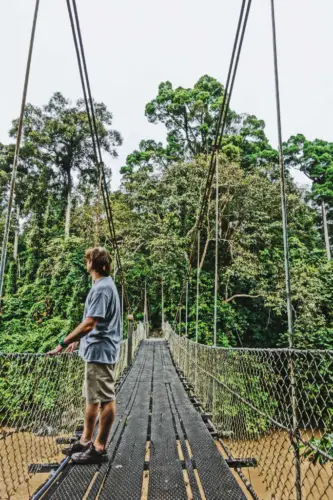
[(102, 344)]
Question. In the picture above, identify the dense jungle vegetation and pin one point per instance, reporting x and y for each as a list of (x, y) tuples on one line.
[(58, 213)]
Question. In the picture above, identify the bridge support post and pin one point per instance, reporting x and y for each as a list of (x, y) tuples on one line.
[(130, 340)]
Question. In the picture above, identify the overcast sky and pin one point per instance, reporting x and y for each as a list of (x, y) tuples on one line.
[(131, 46)]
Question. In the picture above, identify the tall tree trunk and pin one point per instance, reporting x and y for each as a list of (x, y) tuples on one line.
[(327, 239), (69, 204), (17, 230)]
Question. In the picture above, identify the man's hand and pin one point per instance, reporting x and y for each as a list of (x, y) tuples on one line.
[(55, 351), (72, 347), (71, 340)]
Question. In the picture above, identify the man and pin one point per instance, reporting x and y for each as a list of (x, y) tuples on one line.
[(100, 337)]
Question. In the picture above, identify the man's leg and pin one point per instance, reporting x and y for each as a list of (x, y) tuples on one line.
[(106, 418), (89, 422), (89, 426)]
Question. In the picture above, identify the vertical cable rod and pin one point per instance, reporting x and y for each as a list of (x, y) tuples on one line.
[(198, 291), (162, 294), (186, 310), (122, 308), (283, 185), (180, 322), (145, 308), (293, 394), (216, 247)]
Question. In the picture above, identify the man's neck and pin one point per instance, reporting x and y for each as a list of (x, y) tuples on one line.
[(96, 276)]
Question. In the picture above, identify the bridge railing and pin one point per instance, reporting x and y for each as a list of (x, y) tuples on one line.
[(41, 407), (274, 405)]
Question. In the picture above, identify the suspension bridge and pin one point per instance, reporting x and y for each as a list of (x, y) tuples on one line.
[(193, 421)]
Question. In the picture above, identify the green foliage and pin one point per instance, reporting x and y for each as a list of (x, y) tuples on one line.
[(40, 312), (155, 214), (57, 151), (324, 444), (190, 117), (251, 283), (315, 160)]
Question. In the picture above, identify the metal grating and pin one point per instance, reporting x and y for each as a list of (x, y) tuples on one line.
[(173, 417)]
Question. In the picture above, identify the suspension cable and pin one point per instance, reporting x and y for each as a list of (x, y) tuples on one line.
[(90, 109), (93, 125), (283, 185), (220, 129), (223, 116), (17, 150), (293, 383)]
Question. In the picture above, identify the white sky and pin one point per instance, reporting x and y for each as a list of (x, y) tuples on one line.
[(132, 46)]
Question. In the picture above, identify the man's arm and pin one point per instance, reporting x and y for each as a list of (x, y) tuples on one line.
[(80, 331)]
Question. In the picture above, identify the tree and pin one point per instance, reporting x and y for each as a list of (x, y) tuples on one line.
[(190, 117), (56, 139), (315, 160), (23, 171), (155, 218), (161, 211)]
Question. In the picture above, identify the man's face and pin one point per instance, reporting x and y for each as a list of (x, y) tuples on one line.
[(89, 266)]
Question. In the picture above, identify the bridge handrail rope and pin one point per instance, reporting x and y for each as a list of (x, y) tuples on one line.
[(41, 406), (248, 393)]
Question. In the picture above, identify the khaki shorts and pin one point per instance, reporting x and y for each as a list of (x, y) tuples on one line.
[(98, 385)]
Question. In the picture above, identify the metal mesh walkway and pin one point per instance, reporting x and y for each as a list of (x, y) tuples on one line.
[(159, 446)]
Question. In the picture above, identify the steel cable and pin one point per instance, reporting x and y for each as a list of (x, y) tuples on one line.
[(220, 129), (85, 82), (17, 150)]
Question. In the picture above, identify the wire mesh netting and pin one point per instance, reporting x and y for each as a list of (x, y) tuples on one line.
[(274, 405), (40, 402)]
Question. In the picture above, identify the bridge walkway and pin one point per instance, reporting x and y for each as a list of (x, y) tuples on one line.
[(159, 447)]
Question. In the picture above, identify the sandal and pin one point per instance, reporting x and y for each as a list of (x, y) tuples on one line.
[(90, 456), (76, 447)]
